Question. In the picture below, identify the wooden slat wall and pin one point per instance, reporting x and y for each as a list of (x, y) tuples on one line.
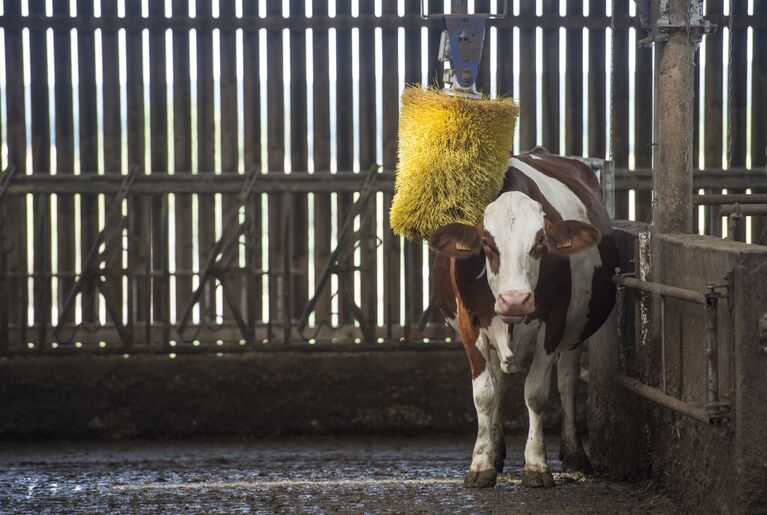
[(620, 103), (188, 136), (414, 250), (298, 160), (16, 212), (182, 154), (41, 162), (158, 128), (276, 156), (712, 150), (321, 106), (206, 162), (367, 157), (86, 51), (139, 288), (759, 115), (252, 147)]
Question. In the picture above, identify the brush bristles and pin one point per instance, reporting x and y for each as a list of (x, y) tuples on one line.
[(453, 155)]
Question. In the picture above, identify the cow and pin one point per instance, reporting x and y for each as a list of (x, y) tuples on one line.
[(524, 289)]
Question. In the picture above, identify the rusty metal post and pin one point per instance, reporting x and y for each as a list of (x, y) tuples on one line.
[(677, 30), (712, 346), (734, 221)]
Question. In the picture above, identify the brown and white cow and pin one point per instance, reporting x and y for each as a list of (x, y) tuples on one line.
[(524, 290)]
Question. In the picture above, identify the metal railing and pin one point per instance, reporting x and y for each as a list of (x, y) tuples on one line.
[(715, 412)]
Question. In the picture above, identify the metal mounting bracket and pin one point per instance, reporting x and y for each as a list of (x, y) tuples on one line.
[(461, 43), (656, 17)]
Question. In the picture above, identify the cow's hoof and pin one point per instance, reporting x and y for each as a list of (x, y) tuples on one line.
[(577, 463), (535, 479), (482, 479)]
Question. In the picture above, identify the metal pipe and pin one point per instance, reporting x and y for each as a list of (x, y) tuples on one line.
[(740, 198), (661, 289), (667, 401), (745, 210)]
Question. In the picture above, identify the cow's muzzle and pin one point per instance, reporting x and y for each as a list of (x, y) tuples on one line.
[(513, 306)]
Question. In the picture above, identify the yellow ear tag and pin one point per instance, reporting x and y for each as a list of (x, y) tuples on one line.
[(461, 246), (565, 244)]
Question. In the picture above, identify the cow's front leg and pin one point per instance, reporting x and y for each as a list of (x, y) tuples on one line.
[(568, 376), (499, 442), (537, 385), (482, 470)]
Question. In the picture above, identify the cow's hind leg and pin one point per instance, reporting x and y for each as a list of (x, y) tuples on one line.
[(568, 376), (537, 385)]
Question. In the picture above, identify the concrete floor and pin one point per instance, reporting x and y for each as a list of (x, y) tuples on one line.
[(314, 475)]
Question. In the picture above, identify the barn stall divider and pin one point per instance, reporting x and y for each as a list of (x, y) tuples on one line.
[(162, 152)]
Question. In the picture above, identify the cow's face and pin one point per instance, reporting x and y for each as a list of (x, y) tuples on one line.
[(514, 238)]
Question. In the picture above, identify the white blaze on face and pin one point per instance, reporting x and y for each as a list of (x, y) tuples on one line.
[(514, 220)]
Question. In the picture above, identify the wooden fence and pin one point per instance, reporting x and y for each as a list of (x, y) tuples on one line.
[(144, 140)]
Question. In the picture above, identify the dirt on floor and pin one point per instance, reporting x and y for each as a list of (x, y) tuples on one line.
[(312, 475)]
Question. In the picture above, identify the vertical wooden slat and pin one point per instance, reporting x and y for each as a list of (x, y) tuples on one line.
[(322, 213), (298, 159), (276, 154), (620, 103), (344, 139), (414, 250), (390, 116), (139, 288), (483, 74), (712, 152), (643, 86), (434, 67), (505, 63), (112, 140), (367, 157), (550, 81), (229, 151), (251, 118), (206, 231), (759, 114), (89, 214), (41, 162), (433, 78), (158, 121), (65, 158), (182, 153), (597, 114), (15, 206), (739, 95), (527, 80), (574, 84)]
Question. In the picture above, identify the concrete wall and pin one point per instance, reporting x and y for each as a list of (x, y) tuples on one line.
[(705, 466), (255, 394)]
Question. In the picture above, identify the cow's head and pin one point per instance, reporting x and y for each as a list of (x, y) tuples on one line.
[(514, 238)]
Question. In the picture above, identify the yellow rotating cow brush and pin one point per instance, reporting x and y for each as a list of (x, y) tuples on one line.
[(454, 144)]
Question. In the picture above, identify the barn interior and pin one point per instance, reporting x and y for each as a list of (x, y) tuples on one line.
[(203, 306)]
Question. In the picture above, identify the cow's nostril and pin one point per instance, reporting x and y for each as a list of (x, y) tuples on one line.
[(515, 302)]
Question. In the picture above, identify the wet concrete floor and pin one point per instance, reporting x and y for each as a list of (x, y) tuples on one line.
[(311, 475)]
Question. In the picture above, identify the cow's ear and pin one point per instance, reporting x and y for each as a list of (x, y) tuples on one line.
[(457, 240), (571, 236)]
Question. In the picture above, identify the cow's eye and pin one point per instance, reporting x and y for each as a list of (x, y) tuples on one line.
[(541, 239)]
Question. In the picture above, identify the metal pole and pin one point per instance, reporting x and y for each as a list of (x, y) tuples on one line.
[(712, 345), (460, 7), (674, 109)]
